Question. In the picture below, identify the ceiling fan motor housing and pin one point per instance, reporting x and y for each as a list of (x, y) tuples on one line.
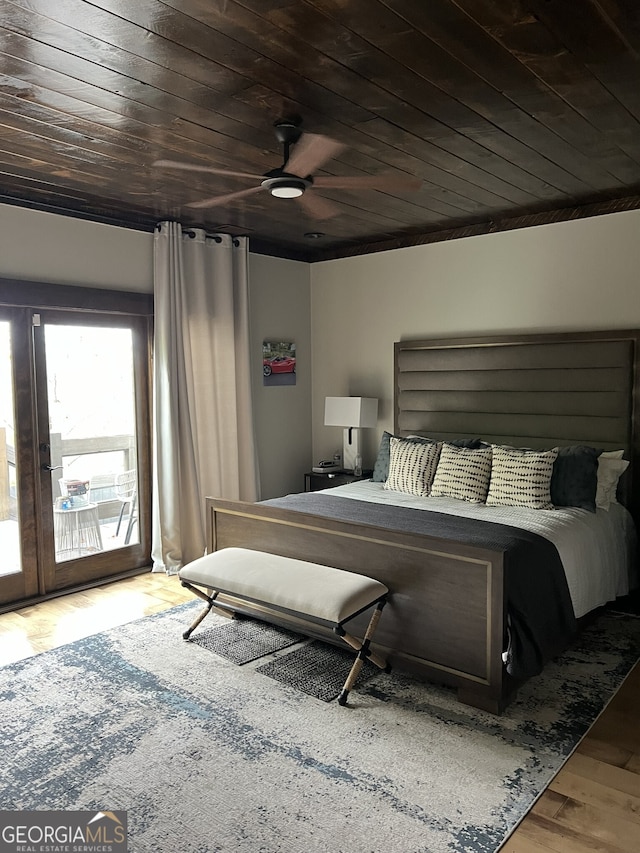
[(283, 185)]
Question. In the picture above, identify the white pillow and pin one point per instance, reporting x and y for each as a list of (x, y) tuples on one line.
[(412, 465), (462, 473), (611, 466), (521, 477)]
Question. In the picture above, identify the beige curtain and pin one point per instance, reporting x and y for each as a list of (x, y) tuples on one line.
[(203, 418)]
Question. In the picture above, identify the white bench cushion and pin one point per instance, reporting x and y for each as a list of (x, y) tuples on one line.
[(296, 585)]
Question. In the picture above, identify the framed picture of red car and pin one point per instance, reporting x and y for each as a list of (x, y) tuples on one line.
[(278, 363)]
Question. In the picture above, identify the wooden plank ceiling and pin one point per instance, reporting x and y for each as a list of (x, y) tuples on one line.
[(510, 112)]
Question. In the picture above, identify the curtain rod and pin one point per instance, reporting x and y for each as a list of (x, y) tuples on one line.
[(190, 233)]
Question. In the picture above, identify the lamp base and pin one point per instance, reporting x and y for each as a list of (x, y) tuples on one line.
[(350, 448)]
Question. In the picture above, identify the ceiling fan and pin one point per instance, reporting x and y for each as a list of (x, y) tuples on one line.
[(303, 154)]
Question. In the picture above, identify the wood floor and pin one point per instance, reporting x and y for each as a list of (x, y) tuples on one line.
[(53, 623), (592, 806)]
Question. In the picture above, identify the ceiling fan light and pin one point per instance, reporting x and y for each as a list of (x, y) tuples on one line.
[(287, 189)]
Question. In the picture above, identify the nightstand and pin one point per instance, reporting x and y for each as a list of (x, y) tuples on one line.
[(315, 482)]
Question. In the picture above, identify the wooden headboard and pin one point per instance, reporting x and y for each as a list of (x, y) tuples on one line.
[(526, 390)]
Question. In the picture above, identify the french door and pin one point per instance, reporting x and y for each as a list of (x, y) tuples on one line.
[(74, 448)]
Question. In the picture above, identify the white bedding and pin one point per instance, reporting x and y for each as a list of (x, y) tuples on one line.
[(595, 548)]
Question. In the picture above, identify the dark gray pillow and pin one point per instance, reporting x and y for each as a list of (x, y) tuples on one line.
[(381, 468), (575, 477), (471, 443)]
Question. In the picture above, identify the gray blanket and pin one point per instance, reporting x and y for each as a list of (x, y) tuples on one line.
[(540, 613)]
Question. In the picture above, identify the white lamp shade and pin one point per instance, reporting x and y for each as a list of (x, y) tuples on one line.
[(351, 411)]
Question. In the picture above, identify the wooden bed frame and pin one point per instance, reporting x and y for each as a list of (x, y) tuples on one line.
[(446, 618)]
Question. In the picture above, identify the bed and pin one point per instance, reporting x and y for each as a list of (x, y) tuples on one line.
[(477, 602)]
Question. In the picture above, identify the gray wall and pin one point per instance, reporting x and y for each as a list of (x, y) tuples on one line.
[(41, 246), (281, 311)]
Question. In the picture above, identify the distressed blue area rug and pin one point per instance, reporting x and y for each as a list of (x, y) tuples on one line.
[(209, 757)]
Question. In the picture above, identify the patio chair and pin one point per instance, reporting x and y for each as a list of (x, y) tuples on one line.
[(127, 492)]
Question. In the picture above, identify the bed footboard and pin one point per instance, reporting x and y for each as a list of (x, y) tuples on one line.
[(445, 620)]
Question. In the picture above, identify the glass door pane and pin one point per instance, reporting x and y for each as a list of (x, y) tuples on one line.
[(18, 566), (92, 433), (9, 511), (92, 380)]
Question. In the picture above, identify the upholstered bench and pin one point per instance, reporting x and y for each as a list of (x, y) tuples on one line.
[(319, 594)]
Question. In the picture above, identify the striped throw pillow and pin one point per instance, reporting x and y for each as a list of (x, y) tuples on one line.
[(462, 474), (412, 465), (521, 477)]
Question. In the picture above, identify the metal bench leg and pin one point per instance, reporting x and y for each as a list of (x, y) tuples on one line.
[(364, 652), (210, 599)]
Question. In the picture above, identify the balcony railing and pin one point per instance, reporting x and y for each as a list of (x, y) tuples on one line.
[(112, 520), (65, 454)]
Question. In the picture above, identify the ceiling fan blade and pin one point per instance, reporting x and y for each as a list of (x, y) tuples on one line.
[(318, 207), (223, 199), (391, 183), (310, 152), (174, 164)]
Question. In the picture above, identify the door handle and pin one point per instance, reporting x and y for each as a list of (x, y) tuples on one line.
[(45, 467)]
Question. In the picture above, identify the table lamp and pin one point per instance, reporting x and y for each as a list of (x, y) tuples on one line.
[(353, 413)]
